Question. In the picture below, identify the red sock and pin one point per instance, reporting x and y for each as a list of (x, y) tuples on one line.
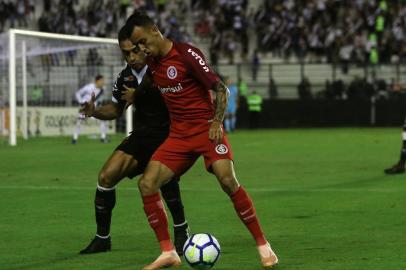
[(246, 211), (155, 211)]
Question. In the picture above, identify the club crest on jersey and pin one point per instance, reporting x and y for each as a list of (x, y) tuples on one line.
[(129, 78), (221, 149), (171, 72)]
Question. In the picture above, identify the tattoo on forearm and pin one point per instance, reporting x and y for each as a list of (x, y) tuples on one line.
[(221, 101)]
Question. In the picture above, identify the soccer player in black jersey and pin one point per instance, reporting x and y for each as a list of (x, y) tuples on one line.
[(399, 167), (130, 158)]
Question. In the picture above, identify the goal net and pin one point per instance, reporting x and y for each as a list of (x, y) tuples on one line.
[(39, 76)]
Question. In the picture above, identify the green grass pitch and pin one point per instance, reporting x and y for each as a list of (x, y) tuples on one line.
[(320, 194)]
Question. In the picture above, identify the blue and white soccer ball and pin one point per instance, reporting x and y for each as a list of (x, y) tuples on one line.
[(201, 251)]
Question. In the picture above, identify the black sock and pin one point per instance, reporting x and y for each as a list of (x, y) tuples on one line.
[(104, 202), (402, 159), (171, 194)]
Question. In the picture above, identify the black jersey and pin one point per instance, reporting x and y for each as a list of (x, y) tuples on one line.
[(151, 116)]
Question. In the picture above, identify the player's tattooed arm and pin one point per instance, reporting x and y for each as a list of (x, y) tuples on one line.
[(221, 91), (216, 130)]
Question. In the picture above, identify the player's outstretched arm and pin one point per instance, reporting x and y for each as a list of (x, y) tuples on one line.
[(109, 111), (87, 108), (216, 131)]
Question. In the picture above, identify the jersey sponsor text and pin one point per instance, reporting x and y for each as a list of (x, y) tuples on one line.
[(173, 89), (199, 58)]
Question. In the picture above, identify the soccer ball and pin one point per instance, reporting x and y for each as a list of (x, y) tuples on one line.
[(201, 251)]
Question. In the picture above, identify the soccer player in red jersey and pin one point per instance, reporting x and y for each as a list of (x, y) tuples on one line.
[(181, 73), (131, 157)]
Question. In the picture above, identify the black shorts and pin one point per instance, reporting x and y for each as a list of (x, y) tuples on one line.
[(141, 148)]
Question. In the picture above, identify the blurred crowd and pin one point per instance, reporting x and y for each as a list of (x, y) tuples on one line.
[(359, 88), (344, 31), (101, 18), (339, 31), (16, 13)]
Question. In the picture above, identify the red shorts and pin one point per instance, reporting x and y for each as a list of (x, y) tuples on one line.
[(179, 154)]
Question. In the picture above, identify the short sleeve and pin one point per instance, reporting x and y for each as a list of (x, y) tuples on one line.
[(117, 89), (199, 68)]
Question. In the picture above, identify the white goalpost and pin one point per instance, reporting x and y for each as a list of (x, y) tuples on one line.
[(39, 74)]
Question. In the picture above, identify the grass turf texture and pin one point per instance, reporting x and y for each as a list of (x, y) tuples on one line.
[(321, 196)]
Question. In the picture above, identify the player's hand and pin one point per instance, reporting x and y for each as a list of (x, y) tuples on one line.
[(128, 96), (88, 107), (216, 131)]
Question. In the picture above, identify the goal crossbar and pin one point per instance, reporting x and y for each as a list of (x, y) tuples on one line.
[(13, 33)]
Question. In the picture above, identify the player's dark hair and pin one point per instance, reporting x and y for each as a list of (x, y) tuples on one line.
[(124, 33), (139, 18), (98, 77)]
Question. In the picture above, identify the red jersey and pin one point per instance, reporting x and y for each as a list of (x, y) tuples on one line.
[(184, 80)]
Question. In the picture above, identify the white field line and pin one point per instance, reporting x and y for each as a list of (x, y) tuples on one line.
[(27, 187)]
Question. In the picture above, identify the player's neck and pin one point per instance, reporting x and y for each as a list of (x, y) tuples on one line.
[(166, 47)]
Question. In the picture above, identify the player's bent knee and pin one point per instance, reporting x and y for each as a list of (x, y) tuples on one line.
[(106, 180), (147, 186), (229, 184)]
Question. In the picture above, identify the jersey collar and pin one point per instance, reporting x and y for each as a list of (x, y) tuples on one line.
[(140, 75)]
